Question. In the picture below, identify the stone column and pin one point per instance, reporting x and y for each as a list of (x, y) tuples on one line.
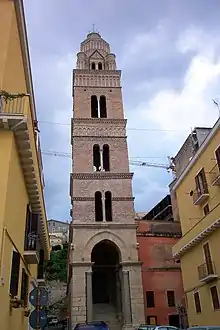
[(126, 298), (98, 107), (103, 205), (101, 160), (89, 311)]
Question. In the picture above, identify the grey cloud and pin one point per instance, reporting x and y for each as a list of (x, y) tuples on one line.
[(56, 28)]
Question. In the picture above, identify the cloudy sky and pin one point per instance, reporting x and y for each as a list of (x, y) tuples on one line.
[(168, 52)]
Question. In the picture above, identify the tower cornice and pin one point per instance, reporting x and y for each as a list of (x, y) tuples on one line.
[(99, 121), (89, 199), (97, 73), (101, 176)]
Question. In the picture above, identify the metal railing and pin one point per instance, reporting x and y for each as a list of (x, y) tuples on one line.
[(15, 106), (32, 242), (206, 269), (215, 172), (198, 192)]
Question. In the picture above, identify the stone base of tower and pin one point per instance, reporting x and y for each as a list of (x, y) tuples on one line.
[(125, 312)]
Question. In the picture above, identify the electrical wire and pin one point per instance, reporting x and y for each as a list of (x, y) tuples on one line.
[(129, 128)]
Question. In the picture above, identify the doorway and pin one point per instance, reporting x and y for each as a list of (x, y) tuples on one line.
[(174, 320), (106, 283)]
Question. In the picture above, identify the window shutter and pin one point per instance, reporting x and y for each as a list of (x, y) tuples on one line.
[(27, 228), (150, 299), (171, 298), (215, 298), (24, 287), (197, 302), (15, 267), (217, 153)]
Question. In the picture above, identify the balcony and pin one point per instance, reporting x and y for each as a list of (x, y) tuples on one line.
[(215, 175), (31, 250), (16, 116), (200, 196), (207, 272)]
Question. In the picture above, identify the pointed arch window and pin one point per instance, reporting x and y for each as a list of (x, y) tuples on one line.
[(105, 155), (93, 66), (96, 157), (108, 206), (100, 66), (103, 111), (98, 206), (94, 106)]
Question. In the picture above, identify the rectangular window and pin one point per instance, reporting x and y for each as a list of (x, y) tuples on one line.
[(151, 320), (171, 298), (197, 302), (208, 259), (215, 298), (206, 209), (150, 299), (24, 287), (15, 268), (201, 183)]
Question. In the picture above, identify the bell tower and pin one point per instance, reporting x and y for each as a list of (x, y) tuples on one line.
[(106, 281)]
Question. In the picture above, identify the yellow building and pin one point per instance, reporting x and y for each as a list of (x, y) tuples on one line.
[(197, 191), (24, 239)]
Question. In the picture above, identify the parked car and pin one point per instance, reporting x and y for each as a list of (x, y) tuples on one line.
[(204, 327), (165, 327), (92, 326), (146, 327)]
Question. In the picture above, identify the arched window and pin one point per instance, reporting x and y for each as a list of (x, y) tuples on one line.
[(108, 206), (100, 66), (94, 106), (96, 157), (105, 157), (103, 111), (93, 66), (98, 206)]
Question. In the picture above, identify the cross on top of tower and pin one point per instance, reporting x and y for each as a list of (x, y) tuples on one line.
[(93, 29)]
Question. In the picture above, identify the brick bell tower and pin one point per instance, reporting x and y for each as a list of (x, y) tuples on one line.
[(105, 281)]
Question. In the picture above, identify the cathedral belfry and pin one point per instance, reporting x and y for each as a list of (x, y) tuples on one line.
[(105, 281)]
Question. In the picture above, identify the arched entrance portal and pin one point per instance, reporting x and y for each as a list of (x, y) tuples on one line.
[(106, 283)]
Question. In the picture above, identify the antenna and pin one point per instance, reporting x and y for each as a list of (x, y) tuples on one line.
[(217, 104)]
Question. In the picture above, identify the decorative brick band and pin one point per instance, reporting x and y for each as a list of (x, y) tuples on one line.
[(106, 138), (162, 269), (99, 121), (158, 234), (83, 199), (96, 72), (122, 199), (104, 225), (88, 199), (101, 176)]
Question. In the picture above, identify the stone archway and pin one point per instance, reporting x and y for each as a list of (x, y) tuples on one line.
[(106, 284), (106, 235)]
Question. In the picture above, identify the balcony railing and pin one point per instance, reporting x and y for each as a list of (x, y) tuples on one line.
[(207, 272), (14, 106), (32, 249), (215, 175), (200, 195)]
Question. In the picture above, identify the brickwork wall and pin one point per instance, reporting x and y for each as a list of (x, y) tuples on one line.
[(82, 101), (159, 271), (83, 154)]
